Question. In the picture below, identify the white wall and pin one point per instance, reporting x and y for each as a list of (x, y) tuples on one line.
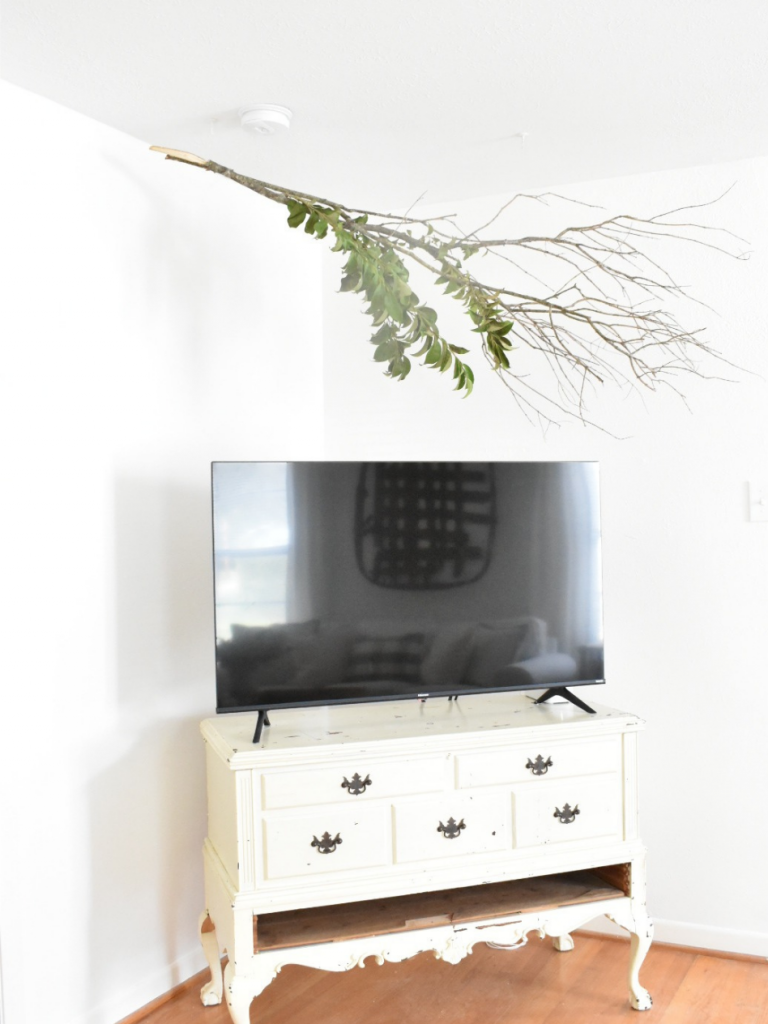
[(154, 318), (685, 573)]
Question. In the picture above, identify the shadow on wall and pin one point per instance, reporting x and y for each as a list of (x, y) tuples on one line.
[(177, 266), (163, 610), (145, 795), (147, 825)]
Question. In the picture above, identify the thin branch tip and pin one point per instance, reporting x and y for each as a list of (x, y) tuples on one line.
[(180, 154)]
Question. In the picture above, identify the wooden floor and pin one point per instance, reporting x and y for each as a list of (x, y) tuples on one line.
[(532, 985)]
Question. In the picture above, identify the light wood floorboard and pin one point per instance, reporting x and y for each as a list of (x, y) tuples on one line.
[(532, 985)]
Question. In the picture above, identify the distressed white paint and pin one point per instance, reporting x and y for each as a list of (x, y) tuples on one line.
[(510, 829)]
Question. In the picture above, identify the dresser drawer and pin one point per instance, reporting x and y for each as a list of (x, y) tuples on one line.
[(538, 761), (304, 844), (557, 812), (451, 825), (353, 781)]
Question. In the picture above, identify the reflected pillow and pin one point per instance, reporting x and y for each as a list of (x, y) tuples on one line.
[(492, 650), (396, 658), (446, 660), (532, 642)]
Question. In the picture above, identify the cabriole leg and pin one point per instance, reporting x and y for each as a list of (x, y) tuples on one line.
[(640, 939), (563, 943), (210, 994), (239, 993)]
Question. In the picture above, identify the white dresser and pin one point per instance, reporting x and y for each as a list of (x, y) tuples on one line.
[(384, 830)]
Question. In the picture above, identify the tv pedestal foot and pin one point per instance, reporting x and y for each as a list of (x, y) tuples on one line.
[(378, 832), (564, 692)]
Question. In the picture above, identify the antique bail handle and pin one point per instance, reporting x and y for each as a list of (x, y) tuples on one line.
[(567, 815), (539, 766), (325, 844), (452, 830), (357, 785)]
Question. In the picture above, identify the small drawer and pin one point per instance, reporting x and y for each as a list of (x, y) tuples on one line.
[(557, 812), (353, 782), (451, 826), (325, 841), (538, 761)]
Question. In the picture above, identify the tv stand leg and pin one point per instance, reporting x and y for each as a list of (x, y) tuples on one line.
[(561, 691), (261, 721), (239, 996), (563, 943), (210, 994)]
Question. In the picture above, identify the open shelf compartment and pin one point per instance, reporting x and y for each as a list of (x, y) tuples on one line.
[(432, 909)]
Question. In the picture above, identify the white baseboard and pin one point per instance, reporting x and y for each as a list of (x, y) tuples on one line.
[(144, 991), (697, 936)]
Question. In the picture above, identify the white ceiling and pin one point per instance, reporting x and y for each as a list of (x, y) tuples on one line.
[(402, 97)]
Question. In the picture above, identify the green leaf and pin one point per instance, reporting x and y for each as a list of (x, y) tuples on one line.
[(393, 307), (457, 350), (428, 339), (383, 334), (435, 354), (321, 228), (297, 218), (386, 351), (350, 283)]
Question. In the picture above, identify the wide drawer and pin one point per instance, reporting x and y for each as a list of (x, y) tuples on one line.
[(326, 840), (354, 781), (557, 812), (451, 825), (538, 761)]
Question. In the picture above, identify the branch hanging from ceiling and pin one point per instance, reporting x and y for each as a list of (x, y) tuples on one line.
[(603, 322)]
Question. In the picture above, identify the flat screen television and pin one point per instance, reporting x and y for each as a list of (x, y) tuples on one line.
[(340, 582)]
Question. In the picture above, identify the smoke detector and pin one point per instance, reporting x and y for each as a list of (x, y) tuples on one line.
[(265, 118)]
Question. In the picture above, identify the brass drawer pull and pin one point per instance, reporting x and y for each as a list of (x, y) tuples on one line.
[(357, 785), (452, 830), (326, 844), (539, 766), (567, 815)]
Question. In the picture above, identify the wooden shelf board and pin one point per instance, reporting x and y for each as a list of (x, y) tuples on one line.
[(427, 910)]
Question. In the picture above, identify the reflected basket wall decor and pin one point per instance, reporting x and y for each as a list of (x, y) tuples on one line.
[(424, 526)]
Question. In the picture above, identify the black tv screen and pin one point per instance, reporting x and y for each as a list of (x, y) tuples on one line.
[(349, 581)]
